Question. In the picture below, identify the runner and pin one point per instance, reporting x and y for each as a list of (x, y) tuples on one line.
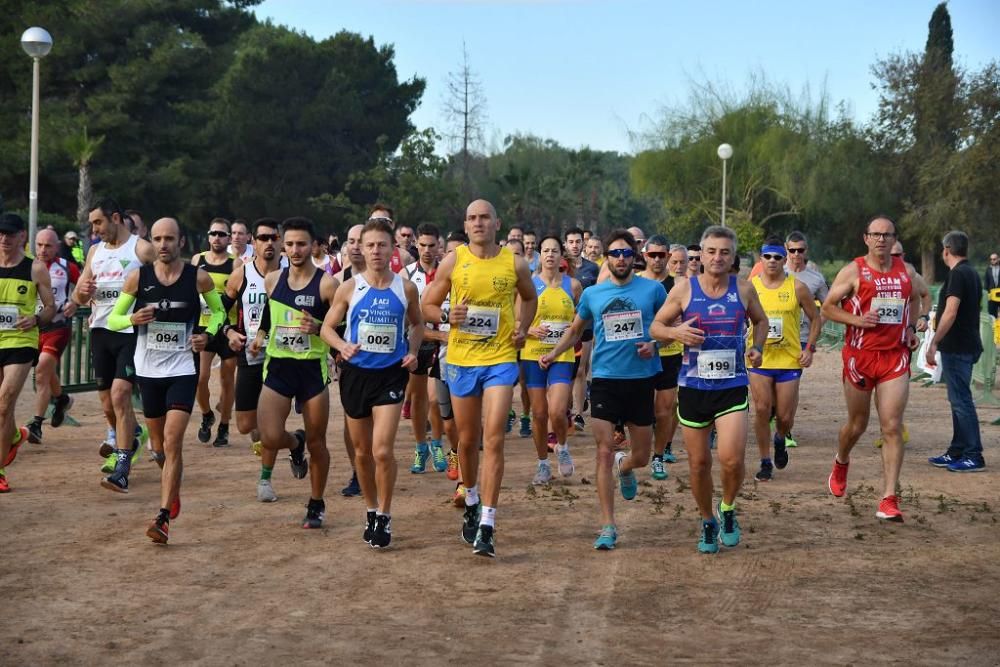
[(53, 337), (713, 381), (400, 256), (531, 253), (874, 297), (112, 353), (320, 257), (775, 384), (163, 299), (586, 272), (442, 395), (240, 248), (23, 282), (550, 388), (355, 264), (620, 311), (378, 305), (246, 287), (481, 280), (694, 260), (298, 298)]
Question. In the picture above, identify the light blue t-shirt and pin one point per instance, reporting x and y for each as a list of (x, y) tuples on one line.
[(622, 315)]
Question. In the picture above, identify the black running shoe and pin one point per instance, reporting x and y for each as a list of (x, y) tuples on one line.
[(382, 534), (205, 431), (352, 489), (780, 453), (765, 473), (297, 457), (484, 542), (470, 522), (315, 512), (369, 526), (118, 480), (35, 432), (60, 406), (222, 436)]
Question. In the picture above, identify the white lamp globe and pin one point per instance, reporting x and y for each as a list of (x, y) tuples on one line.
[(36, 42), (725, 151)]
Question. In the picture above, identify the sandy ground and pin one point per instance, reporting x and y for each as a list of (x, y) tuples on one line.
[(817, 580)]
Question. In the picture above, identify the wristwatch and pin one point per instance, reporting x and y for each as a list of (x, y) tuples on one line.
[(812, 347)]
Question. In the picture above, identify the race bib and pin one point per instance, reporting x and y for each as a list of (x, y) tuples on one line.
[(290, 339), (626, 325), (167, 336), (890, 311), (108, 293), (717, 364), (556, 329), (481, 321), (8, 317), (377, 338), (205, 310), (775, 328)]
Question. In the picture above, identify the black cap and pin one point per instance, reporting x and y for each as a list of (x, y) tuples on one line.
[(11, 222)]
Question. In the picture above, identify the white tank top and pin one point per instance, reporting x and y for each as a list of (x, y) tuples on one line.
[(59, 275), (110, 268), (254, 302)]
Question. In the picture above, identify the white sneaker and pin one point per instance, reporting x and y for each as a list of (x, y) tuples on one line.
[(566, 467), (265, 492), (544, 474)]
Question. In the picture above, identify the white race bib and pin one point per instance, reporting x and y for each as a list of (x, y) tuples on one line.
[(556, 329), (107, 293), (890, 311), (290, 339), (167, 336), (252, 320), (775, 328), (377, 338), (481, 321), (8, 317), (717, 364), (625, 325)]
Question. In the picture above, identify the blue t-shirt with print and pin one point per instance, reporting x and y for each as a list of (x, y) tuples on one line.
[(621, 316)]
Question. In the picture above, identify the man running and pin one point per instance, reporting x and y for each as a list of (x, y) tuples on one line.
[(112, 353), (586, 273), (775, 384), (378, 306), (481, 280), (355, 265), (714, 307), (219, 264), (240, 248), (620, 311), (594, 251), (23, 282), (531, 255), (298, 298), (163, 299), (875, 298), (246, 287), (694, 260), (53, 337)]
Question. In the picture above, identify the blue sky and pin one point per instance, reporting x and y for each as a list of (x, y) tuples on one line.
[(585, 72)]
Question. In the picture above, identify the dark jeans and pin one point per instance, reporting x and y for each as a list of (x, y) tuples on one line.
[(956, 370)]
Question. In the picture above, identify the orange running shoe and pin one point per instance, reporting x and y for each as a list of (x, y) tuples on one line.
[(4, 486), (458, 500), (838, 478), (888, 510), (22, 432), (452, 470), (175, 507), (159, 531)]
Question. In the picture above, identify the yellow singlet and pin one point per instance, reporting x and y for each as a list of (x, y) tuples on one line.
[(556, 310), (784, 315), (674, 347), (488, 287)]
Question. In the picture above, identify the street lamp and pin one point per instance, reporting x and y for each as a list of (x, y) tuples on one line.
[(36, 42), (725, 151)]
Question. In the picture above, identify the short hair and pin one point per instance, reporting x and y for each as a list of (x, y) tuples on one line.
[(265, 222), (428, 229), (457, 235), (880, 216), (577, 230), (676, 247), (694, 247), (379, 206), (554, 237), (957, 243), (619, 234), (299, 224), (719, 232), (377, 226), (773, 240), (518, 227), (109, 207), (658, 239), (517, 241), (240, 221), (530, 232), (219, 221), (796, 237)]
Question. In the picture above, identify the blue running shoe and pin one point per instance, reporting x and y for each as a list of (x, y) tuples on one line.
[(942, 461), (437, 453), (626, 481), (606, 539), (730, 527), (967, 464), (421, 453), (709, 542), (668, 456)]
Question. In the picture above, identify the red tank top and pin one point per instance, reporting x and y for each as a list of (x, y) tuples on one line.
[(395, 261), (888, 294)]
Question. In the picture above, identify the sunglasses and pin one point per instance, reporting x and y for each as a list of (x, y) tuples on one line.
[(380, 219), (796, 251), (694, 258), (621, 253), (656, 255), (218, 233), (266, 237), (768, 257), (896, 254)]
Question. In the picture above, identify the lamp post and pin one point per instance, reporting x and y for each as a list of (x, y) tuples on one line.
[(725, 151), (36, 42)]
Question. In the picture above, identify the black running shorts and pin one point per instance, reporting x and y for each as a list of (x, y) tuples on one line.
[(15, 356), (699, 408), (160, 395), (219, 344), (361, 389), (629, 401), (301, 379), (112, 355), (426, 358), (667, 378), (249, 380)]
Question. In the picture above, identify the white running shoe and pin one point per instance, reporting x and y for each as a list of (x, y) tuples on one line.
[(265, 492), (544, 474), (566, 467)]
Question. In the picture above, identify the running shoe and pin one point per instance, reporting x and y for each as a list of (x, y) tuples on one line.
[(34, 432), (110, 461), (406, 410), (879, 441), (578, 423), (60, 406), (353, 488), (838, 478), (369, 527), (668, 455), (511, 418), (942, 461), (543, 474), (790, 442), (205, 430), (765, 473), (421, 453), (437, 455), (470, 523), (708, 543), (730, 532), (257, 447), (458, 499), (551, 442), (566, 467), (780, 453), (712, 437), (4, 486), (117, 481), (315, 512), (656, 469), (141, 438), (968, 464), (175, 507), (452, 470), (22, 433), (525, 431), (265, 491), (159, 530), (626, 481), (888, 510), (606, 538), (109, 445), (222, 436), (297, 457), (382, 533), (483, 545)]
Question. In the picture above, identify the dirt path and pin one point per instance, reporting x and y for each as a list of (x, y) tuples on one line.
[(817, 580)]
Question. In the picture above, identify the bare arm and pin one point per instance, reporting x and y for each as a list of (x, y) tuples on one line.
[(43, 287), (759, 320), (437, 290), (145, 251), (86, 286), (529, 300), (815, 322), (416, 321), (334, 316), (844, 285), (568, 340)]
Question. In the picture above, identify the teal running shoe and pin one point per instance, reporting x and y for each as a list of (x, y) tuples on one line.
[(606, 538), (437, 453), (730, 532), (420, 455), (709, 542), (657, 470), (628, 484), (668, 455)]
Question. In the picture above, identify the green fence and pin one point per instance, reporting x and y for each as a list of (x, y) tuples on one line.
[(76, 373), (985, 370)]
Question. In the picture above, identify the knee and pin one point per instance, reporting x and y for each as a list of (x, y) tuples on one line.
[(121, 398), (699, 466), (384, 457)]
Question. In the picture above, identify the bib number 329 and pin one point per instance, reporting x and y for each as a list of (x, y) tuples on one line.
[(890, 311)]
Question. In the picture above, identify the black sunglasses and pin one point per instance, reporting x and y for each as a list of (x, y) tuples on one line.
[(656, 255), (796, 251), (266, 237), (218, 233), (768, 256), (621, 253)]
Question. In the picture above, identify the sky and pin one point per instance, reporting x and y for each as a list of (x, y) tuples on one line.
[(593, 72)]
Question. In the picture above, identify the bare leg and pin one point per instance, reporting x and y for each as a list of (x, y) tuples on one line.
[(891, 397)]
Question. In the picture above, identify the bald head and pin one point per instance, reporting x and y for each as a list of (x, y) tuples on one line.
[(638, 235), (167, 226), (481, 222), (166, 237), (46, 245)]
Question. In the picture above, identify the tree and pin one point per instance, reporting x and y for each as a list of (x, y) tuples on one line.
[(465, 111), (82, 148)]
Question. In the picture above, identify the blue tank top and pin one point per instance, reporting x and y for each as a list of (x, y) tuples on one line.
[(376, 320), (720, 361)]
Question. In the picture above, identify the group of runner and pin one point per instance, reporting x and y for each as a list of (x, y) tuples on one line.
[(455, 326)]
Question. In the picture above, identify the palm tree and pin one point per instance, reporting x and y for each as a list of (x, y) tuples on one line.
[(81, 149)]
